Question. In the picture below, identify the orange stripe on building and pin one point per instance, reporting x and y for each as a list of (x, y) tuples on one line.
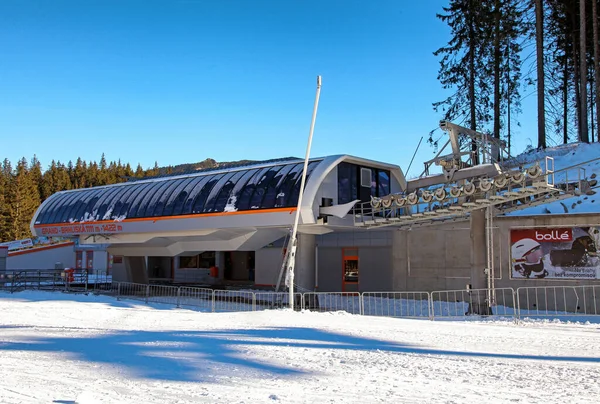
[(190, 216)]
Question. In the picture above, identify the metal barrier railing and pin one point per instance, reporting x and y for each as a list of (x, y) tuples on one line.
[(233, 300), (133, 291), (196, 297), (276, 300), (557, 301), (396, 304), (162, 294), (473, 302), (333, 301), (534, 301)]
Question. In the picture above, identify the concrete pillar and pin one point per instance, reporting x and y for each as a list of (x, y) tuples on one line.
[(400, 240), (478, 263), (220, 263), (136, 269), (304, 271)]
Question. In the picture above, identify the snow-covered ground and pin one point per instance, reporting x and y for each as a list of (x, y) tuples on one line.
[(60, 348)]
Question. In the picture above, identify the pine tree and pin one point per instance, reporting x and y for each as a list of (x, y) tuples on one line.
[(462, 67), (583, 135), (5, 194), (139, 171), (24, 201)]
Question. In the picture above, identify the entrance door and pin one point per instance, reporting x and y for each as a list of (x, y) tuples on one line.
[(350, 268), (239, 266)]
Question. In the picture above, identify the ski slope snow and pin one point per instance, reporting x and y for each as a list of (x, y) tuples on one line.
[(61, 348)]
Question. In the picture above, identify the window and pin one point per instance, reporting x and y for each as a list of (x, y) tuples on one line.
[(365, 177), (78, 259), (89, 255), (198, 206), (383, 183), (204, 260)]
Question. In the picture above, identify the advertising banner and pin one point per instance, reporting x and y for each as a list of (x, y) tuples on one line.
[(18, 244), (555, 253)]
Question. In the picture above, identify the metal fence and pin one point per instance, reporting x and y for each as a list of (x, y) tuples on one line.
[(558, 301), (472, 302), (578, 302)]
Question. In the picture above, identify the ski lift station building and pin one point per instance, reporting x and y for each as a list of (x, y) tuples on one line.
[(231, 225)]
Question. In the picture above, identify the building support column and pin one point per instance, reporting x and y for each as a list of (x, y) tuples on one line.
[(136, 269), (478, 303), (305, 262)]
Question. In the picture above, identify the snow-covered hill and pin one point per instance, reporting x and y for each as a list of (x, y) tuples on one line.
[(566, 156)]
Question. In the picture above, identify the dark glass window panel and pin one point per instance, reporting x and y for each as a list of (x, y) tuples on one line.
[(215, 191), (345, 182), (240, 184), (198, 206), (245, 199), (177, 197), (383, 183), (192, 191), (245, 193), (156, 186), (226, 193), (89, 214), (288, 183), (78, 203), (63, 215), (105, 204), (166, 196), (374, 178), (128, 199), (149, 204), (274, 185), (262, 187), (85, 201), (60, 206), (293, 200), (56, 205), (46, 213), (136, 202), (121, 200)]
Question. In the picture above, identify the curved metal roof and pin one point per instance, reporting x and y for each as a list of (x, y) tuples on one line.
[(261, 186)]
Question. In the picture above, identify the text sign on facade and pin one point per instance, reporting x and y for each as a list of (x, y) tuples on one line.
[(84, 228)]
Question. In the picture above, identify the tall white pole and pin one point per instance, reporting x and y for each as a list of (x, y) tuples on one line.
[(293, 240)]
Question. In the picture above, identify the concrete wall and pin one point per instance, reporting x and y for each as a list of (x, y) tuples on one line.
[(330, 269), (42, 258), (100, 260), (268, 265), (439, 258), (374, 264), (119, 271)]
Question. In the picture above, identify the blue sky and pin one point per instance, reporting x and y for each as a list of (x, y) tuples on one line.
[(178, 81)]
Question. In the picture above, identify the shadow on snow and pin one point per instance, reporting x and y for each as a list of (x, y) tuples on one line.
[(204, 355)]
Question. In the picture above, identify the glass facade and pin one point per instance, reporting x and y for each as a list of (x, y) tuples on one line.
[(243, 189), (349, 183)]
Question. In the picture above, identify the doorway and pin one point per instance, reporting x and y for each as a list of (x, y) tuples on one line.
[(350, 269), (239, 266)]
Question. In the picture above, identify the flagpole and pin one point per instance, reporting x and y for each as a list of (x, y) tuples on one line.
[(293, 240)]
